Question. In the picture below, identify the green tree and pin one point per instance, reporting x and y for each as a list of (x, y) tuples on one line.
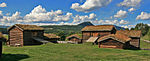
[(143, 27)]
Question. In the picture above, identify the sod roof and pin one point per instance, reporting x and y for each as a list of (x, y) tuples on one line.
[(99, 28), (27, 27), (130, 33)]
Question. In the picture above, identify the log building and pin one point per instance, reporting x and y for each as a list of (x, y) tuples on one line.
[(20, 34), (74, 38), (108, 37), (92, 33)]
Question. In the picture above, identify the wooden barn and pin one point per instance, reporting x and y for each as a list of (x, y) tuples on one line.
[(74, 38), (20, 35), (51, 37), (134, 35), (118, 41), (92, 33)]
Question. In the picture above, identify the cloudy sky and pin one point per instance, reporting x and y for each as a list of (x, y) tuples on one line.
[(125, 13)]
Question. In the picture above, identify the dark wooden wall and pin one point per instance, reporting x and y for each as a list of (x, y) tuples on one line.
[(86, 35), (135, 42), (28, 37), (15, 36), (110, 43)]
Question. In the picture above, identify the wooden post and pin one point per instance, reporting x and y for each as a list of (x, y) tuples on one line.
[(0, 49), (99, 44)]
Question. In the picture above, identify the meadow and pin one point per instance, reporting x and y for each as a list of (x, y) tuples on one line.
[(73, 52)]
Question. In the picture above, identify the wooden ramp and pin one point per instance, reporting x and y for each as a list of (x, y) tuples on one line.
[(92, 39), (40, 40)]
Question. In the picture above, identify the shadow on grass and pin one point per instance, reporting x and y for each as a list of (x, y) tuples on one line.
[(13, 57)]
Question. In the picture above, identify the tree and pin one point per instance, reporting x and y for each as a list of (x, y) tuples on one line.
[(143, 27), (62, 35)]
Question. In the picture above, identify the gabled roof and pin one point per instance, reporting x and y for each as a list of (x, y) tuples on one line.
[(119, 37), (130, 33), (74, 35), (51, 35), (27, 27), (99, 28)]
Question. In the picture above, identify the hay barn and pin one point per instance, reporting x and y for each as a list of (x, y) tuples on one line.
[(134, 35), (74, 38), (51, 37), (92, 33), (118, 41), (20, 35)]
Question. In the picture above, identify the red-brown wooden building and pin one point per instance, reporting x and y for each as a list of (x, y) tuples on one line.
[(118, 41), (94, 32), (51, 37), (108, 37), (20, 34), (134, 35), (74, 38)]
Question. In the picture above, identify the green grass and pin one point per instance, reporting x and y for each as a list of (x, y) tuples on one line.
[(71, 52)]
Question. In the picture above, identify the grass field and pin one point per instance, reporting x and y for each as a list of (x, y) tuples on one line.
[(71, 52)]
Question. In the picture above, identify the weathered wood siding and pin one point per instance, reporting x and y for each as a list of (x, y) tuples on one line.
[(135, 42), (28, 37), (15, 37), (87, 35), (110, 43)]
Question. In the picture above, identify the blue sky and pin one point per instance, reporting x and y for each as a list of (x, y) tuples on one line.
[(68, 12)]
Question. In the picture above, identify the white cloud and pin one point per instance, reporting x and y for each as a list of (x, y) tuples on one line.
[(131, 9), (40, 14), (143, 16), (130, 3), (128, 26), (112, 22), (121, 14), (90, 5), (124, 22), (3, 5), (79, 19)]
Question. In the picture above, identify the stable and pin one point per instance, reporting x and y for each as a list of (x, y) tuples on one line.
[(118, 41), (92, 33), (51, 37), (20, 34)]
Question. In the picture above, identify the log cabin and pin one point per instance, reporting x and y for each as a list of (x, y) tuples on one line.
[(117, 41), (20, 34), (134, 35), (106, 36), (51, 37), (74, 38), (92, 33)]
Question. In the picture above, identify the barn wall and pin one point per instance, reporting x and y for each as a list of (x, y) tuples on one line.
[(28, 37), (135, 42), (87, 35), (15, 36), (110, 43)]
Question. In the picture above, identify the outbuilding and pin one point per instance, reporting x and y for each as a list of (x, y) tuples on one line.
[(76, 38), (118, 41), (21, 34)]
